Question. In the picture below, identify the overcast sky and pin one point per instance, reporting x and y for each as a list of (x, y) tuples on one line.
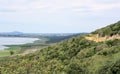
[(57, 16)]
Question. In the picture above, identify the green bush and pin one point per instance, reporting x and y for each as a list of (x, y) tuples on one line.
[(11, 52)]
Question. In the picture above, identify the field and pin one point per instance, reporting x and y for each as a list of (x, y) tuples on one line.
[(4, 53)]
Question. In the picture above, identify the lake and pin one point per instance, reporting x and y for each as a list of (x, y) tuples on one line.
[(15, 41)]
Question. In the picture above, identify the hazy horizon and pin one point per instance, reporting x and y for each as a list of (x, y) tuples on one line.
[(45, 32), (57, 16)]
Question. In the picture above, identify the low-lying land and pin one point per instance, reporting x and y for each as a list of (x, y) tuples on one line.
[(23, 49), (20, 49)]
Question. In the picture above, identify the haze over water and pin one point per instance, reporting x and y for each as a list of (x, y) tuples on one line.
[(14, 41)]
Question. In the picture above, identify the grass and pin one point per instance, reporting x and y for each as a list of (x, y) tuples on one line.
[(6, 52)]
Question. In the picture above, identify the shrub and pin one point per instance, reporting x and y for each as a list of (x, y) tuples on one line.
[(11, 52)]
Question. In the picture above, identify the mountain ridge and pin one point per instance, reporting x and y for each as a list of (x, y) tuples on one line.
[(109, 30)]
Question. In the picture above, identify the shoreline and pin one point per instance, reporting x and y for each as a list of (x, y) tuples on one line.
[(7, 45)]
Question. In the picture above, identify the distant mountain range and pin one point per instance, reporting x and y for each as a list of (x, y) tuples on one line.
[(21, 34), (11, 33)]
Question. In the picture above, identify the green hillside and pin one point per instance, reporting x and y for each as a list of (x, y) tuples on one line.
[(73, 56), (110, 30)]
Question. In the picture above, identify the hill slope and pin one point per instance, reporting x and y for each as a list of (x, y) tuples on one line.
[(74, 56), (109, 30)]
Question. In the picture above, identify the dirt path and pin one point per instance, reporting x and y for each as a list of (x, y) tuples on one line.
[(29, 51), (96, 38)]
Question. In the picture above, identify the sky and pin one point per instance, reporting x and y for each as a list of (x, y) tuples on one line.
[(57, 16)]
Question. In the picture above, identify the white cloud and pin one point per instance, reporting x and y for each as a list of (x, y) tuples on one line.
[(66, 12), (55, 5), (56, 8)]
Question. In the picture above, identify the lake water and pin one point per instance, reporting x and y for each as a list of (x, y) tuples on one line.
[(14, 41)]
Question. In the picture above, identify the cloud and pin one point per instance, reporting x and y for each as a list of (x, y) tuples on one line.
[(35, 10), (107, 1), (54, 6), (55, 10), (7, 10)]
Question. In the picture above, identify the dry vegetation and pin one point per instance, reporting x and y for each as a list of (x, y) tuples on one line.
[(97, 38)]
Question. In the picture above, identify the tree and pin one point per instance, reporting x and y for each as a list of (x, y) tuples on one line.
[(11, 52)]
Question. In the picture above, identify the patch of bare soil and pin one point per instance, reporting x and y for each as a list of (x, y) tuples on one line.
[(96, 38)]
